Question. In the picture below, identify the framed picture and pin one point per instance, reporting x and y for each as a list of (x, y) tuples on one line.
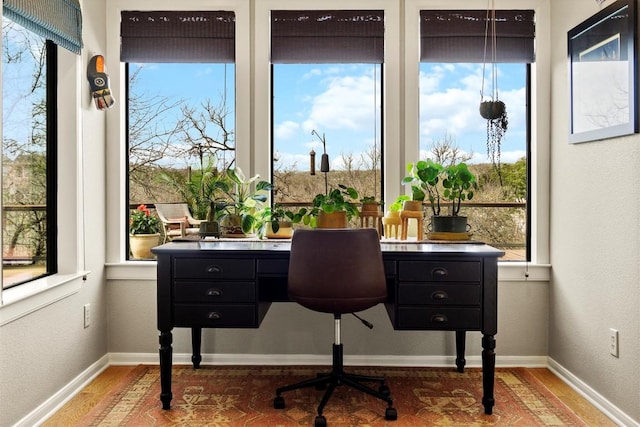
[(603, 72)]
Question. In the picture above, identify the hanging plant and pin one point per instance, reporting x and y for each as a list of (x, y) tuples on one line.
[(491, 108)]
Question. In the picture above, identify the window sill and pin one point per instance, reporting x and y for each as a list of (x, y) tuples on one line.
[(24, 299), (507, 271)]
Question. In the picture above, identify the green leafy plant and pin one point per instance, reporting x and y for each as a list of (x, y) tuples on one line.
[(397, 204), (243, 197), (338, 199), (368, 199), (195, 187), (275, 216), (423, 177), (142, 222), (453, 183), (459, 184)]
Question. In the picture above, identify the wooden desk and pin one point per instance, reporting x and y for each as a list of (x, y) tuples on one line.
[(223, 284)]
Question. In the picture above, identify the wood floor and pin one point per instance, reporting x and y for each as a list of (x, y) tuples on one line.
[(82, 403)]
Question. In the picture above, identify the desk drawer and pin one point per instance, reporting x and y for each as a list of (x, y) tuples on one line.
[(214, 291), (217, 268), (439, 318), (215, 315), (440, 271), (449, 294)]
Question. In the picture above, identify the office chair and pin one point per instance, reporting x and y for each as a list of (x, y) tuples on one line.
[(337, 271)]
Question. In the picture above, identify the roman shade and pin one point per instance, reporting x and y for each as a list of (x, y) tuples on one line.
[(459, 36), (56, 20), (177, 36), (327, 36)]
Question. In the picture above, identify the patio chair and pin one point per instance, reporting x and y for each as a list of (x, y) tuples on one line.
[(177, 220)]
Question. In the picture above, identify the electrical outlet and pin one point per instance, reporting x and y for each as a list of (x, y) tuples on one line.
[(613, 342), (87, 315)]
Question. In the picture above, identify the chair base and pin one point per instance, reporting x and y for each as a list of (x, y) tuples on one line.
[(337, 377)]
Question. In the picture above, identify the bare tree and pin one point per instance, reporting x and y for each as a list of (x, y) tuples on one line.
[(446, 152), (152, 127), (205, 132)]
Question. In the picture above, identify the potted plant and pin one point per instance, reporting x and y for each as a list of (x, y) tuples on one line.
[(391, 220), (244, 198), (144, 233), (454, 183), (369, 204), (277, 222), (334, 209)]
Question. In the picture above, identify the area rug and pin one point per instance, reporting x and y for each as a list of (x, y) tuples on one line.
[(243, 396)]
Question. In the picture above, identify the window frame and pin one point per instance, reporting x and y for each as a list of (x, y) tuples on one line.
[(400, 90), (390, 88), (117, 163), (539, 126), (19, 301)]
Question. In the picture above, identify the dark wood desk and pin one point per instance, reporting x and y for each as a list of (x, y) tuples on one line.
[(223, 284)]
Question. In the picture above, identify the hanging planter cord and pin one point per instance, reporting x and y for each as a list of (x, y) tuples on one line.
[(490, 18), (493, 110)]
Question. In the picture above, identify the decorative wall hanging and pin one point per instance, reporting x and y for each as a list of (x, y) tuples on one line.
[(491, 107), (99, 83), (603, 74)]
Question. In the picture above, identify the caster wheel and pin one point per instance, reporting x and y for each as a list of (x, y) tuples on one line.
[(278, 402), (391, 414), (320, 421), (384, 390)]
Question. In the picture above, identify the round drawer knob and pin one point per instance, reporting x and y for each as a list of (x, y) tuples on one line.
[(439, 318), (214, 315), (214, 292), (439, 295)]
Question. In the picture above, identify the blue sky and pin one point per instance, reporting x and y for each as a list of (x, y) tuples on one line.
[(342, 101)]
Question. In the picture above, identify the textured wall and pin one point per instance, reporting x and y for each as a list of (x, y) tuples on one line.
[(43, 351), (595, 241)]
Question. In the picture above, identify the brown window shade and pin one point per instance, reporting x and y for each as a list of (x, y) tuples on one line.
[(177, 36), (459, 36), (327, 36)]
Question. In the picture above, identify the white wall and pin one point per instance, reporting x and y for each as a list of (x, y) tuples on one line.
[(42, 352), (595, 241)]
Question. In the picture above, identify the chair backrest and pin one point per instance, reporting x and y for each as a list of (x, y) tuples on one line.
[(336, 270), (170, 212)]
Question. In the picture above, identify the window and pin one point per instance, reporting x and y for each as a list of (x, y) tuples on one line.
[(180, 104), (452, 130), (327, 84), (28, 155)]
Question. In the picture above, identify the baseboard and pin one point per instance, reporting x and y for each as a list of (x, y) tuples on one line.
[(62, 396), (595, 398), (313, 359)]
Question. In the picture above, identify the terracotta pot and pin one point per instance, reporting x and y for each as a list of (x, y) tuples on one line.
[(370, 207), (141, 244), (412, 205), (332, 220), (284, 232)]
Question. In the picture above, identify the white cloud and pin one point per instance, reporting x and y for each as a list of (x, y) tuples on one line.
[(348, 103), (286, 129)]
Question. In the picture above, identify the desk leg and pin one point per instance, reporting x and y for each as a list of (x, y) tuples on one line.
[(461, 340), (196, 342), (166, 353), (488, 372)]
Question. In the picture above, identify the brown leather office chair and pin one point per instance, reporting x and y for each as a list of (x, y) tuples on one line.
[(337, 271)]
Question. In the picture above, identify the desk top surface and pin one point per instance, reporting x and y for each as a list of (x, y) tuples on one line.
[(391, 246)]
